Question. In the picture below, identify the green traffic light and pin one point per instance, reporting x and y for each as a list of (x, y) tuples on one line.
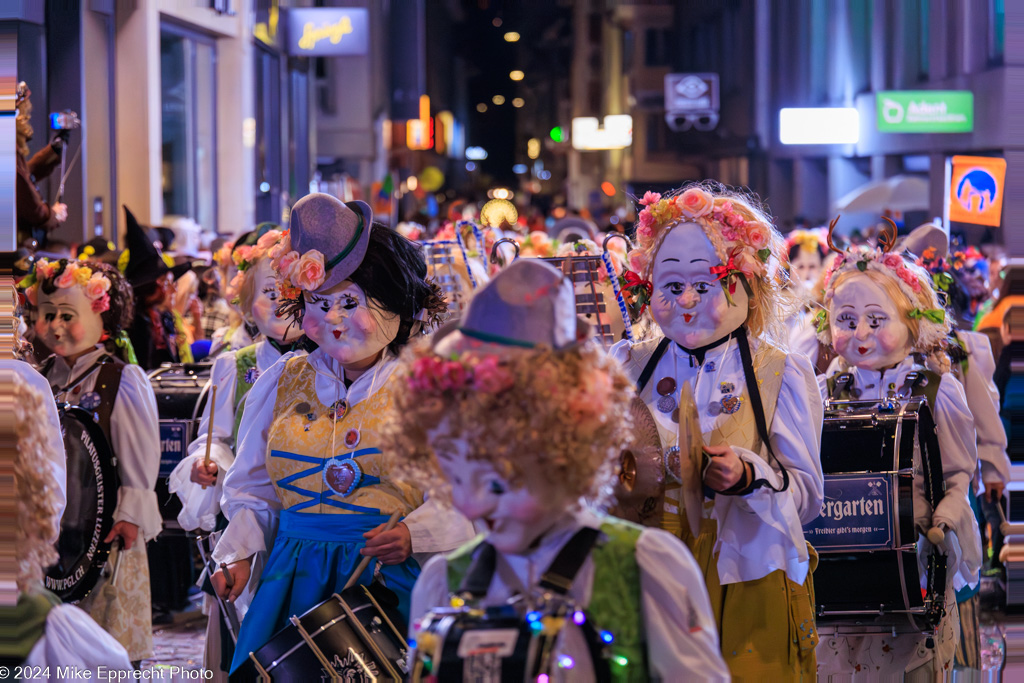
[(558, 134)]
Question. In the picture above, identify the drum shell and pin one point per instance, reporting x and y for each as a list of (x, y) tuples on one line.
[(92, 488), (876, 588), (450, 630), (287, 658)]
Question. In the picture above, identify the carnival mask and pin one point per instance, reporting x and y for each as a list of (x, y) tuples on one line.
[(265, 303), (66, 322), (805, 267), (688, 301), (515, 516), (346, 325), (867, 327)]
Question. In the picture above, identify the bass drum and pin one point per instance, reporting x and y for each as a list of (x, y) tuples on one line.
[(92, 485)]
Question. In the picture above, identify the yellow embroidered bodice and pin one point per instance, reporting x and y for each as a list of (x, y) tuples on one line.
[(357, 479)]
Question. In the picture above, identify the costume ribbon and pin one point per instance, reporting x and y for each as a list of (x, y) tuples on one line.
[(942, 281), (935, 315), (125, 344)]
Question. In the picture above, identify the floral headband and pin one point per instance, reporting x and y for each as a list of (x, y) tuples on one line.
[(746, 244), (809, 241), (245, 256), (66, 274), (435, 376), (912, 280)]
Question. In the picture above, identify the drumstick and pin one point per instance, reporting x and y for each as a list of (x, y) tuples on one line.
[(209, 430), (229, 580), (366, 560)]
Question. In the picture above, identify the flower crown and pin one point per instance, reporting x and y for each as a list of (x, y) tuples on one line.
[(435, 376), (912, 280), (246, 256), (66, 274), (809, 241)]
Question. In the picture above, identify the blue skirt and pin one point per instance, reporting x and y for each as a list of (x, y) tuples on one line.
[(313, 556)]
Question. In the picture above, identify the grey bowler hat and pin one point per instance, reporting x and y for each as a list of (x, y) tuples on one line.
[(338, 230), (529, 304)]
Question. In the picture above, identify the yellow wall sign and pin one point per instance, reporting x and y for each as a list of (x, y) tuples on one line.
[(328, 31), (976, 190)]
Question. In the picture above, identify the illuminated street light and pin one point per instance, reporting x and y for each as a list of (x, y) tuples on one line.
[(498, 99), (557, 134), (533, 148), (481, 107), (516, 75), (519, 169), (518, 102), (511, 37), (412, 182), (476, 153)]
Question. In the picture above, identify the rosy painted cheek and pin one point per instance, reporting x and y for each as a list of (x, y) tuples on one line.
[(262, 308), (364, 322), (313, 327), (661, 306), (891, 340), (841, 341)]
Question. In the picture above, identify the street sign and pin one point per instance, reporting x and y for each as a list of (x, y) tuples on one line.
[(976, 190), (686, 93), (328, 31), (925, 111)]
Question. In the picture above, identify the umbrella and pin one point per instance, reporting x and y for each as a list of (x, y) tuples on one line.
[(899, 193)]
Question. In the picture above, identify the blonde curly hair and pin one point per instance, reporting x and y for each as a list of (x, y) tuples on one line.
[(37, 522), (564, 413), (767, 301)]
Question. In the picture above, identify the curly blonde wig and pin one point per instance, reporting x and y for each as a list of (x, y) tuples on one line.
[(767, 301), (36, 490), (563, 413)]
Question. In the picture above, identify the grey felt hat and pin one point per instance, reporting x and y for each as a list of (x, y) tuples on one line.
[(338, 230), (927, 235), (529, 304)]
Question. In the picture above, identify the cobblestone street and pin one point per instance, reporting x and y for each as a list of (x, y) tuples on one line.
[(178, 646)]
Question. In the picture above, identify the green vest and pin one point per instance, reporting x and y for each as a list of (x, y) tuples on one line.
[(615, 603), (245, 361), (23, 625)]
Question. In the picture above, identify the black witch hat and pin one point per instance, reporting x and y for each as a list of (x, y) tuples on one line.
[(145, 262)]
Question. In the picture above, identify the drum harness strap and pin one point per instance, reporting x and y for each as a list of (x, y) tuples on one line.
[(754, 394), (557, 579), (108, 383)]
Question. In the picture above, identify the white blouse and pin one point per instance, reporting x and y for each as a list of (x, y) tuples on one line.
[(983, 400), (73, 642), (680, 629), (250, 501), (20, 371), (954, 426), (762, 531), (134, 437), (200, 507)]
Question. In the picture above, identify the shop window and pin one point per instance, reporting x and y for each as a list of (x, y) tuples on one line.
[(188, 100)]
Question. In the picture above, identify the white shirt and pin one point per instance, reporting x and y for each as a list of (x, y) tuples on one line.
[(20, 371), (199, 507), (74, 642), (134, 438), (954, 426), (679, 627), (762, 531), (803, 336), (983, 400), (250, 501)]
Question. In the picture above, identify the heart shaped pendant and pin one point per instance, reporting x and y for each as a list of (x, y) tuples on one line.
[(342, 476)]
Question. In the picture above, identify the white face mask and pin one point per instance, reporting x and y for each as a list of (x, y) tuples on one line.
[(66, 323), (347, 326), (514, 516), (687, 302), (867, 329), (264, 306), (805, 268)]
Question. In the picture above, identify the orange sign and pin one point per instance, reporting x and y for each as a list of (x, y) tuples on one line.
[(976, 190)]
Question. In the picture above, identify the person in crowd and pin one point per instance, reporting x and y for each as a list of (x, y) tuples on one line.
[(237, 333), (215, 308), (83, 311), (517, 421), (35, 217), (881, 309), (42, 633), (703, 260), (200, 485), (309, 460), (156, 332)]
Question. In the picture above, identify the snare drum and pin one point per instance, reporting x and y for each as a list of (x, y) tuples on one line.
[(356, 636), (595, 300), (868, 573)]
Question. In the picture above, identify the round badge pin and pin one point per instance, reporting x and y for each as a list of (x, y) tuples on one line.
[(91, 401), (666, 388), (352, 438)]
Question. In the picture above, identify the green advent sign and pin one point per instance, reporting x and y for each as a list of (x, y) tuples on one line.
[(925, 111)]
